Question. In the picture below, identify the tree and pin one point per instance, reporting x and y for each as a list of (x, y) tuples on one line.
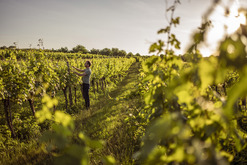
[(41, 43), (115, 51), (130, 54), (65, 49), (137, 54), (12, 47), (4, 47), (80, 49), (122, 53), (95, 51), (106, 51)]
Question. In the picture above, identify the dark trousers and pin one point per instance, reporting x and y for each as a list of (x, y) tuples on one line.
[(86, 94)]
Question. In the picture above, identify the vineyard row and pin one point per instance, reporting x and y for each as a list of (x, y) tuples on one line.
[(24, 79)]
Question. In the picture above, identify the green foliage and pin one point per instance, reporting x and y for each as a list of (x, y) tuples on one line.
[(26, 128), (109, 160), (178, 100), (58, 141), (233, 53), (156, 47), (198, 37), (192, 103)]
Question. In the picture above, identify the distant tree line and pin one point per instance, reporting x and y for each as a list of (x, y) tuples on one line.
[(82, 49), (105, 51)]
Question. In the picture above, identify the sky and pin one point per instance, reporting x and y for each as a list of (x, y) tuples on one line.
[(129, 25)]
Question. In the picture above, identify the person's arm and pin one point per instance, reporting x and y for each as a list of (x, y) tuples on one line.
[(80, 74), (80, 70)]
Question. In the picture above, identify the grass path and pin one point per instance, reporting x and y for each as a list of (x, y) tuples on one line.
[(106, 119)]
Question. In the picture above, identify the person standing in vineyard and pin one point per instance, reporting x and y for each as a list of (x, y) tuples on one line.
[(86, 81)]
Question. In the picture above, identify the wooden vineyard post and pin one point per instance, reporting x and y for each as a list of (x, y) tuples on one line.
[(75, 94), (31, 103), (69, 85), (66, 98)]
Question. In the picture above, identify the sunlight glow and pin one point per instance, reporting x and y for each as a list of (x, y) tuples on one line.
[(234, 19), (222, 25)]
